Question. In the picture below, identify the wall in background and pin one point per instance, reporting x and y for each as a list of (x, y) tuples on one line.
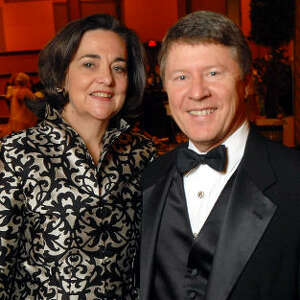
[(297, 74), (150, 19), (27, 25), (217, 6)]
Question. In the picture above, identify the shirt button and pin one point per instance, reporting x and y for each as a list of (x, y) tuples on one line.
[(194, 272), (200, 194)]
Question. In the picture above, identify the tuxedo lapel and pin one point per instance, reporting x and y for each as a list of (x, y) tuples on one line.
[(154, 199), (248, 215)]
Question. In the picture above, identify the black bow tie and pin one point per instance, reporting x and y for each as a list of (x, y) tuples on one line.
[(188, 159)]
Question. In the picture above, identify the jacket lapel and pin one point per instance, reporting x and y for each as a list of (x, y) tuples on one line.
[(154, 200), (248, 215)]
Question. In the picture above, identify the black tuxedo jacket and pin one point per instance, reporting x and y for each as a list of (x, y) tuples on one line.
[(258, 254)]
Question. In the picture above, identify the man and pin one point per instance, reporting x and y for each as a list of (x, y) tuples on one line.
[(225, 226)]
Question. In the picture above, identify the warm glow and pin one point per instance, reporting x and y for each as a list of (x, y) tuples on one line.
[(27, 25), (152, 44)]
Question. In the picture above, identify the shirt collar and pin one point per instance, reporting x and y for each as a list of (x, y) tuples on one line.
[(53, 116), (235, 145)]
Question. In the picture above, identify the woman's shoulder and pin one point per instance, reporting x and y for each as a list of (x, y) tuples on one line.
[(138, 134), (11, 148), (136, 137), (19, 139), (137, 145), (14, 138)]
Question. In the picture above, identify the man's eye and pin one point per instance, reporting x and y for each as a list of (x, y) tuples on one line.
[(213, 73), (181, 77)]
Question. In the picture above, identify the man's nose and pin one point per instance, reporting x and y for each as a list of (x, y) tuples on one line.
[(199, 88)]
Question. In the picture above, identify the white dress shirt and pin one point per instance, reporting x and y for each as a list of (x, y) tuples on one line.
[(203, 184)]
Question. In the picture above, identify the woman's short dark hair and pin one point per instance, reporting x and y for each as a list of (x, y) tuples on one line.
[(57, 55), (207, 27)]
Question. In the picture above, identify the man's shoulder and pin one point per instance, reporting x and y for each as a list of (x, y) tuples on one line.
[(162, 160), (159, 167), (275, 149), (282, 159), (283, 156), (278, 151)]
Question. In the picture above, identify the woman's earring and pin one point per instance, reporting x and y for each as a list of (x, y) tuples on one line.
[(61, 91)]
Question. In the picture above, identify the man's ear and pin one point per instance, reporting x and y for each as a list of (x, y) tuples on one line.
[(248, 85)]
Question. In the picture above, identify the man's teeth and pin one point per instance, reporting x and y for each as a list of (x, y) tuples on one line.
[(101, 94), (203, 112)]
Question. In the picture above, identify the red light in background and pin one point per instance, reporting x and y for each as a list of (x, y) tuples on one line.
[(152, 44)]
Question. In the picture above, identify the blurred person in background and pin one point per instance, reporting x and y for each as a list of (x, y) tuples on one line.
[(70, 196), (20, 115)]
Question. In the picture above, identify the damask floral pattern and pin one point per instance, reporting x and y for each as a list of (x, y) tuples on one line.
[(69, 229)]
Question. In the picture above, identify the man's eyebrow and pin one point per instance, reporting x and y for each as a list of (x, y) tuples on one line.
[(89, 56)]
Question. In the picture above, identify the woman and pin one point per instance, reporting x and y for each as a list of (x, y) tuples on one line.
[(70, 201), (17, 94)]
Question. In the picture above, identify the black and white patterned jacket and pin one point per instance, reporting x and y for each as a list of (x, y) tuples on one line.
[(69, 229)]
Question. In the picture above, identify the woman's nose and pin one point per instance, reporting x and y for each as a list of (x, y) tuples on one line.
[(105, 76)]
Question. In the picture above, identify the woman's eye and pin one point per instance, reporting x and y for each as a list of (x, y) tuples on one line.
[(120, 69), (88, 65)]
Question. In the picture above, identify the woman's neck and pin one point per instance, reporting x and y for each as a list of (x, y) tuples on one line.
[(91, 132)]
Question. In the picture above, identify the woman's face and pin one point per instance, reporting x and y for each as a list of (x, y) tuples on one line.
[(96, 79)]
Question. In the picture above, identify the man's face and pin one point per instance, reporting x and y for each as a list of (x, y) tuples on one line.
[(205, 90)]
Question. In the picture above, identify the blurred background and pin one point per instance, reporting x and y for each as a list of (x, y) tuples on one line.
[(272, 28)]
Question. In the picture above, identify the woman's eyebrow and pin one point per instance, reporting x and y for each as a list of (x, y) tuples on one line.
[(98, 57)]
